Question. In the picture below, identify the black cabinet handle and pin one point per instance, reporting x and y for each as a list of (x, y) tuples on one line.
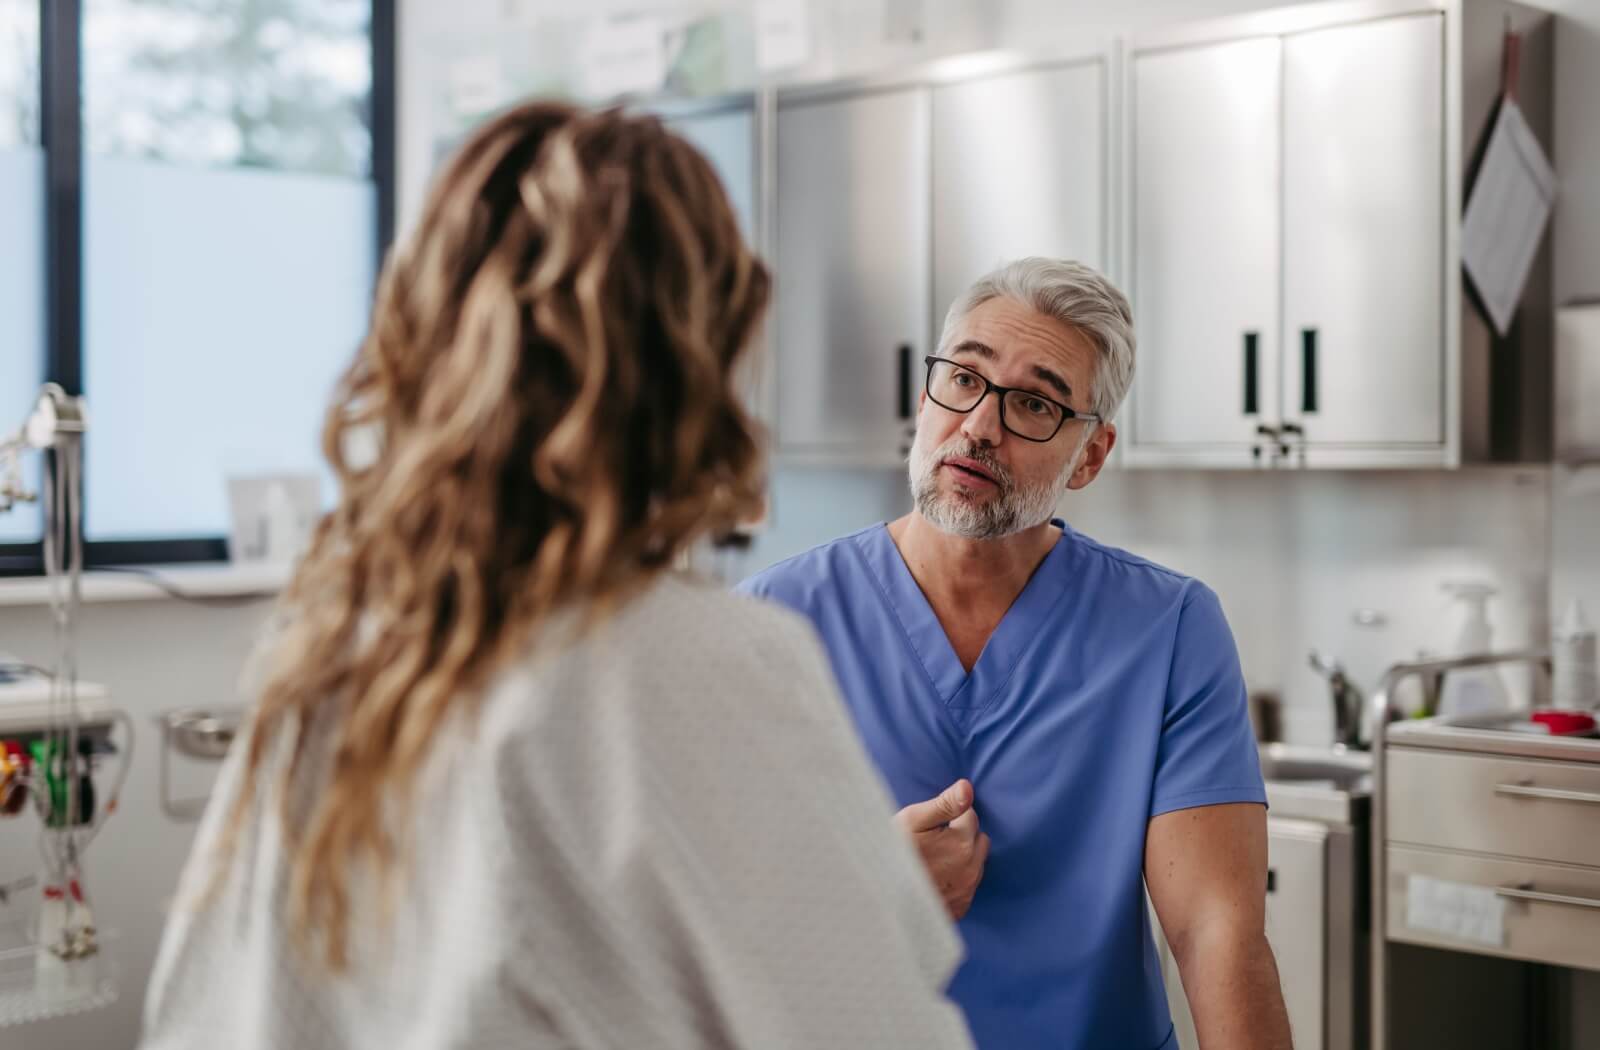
[(1308, 369), (1251, 373), (905, 380)]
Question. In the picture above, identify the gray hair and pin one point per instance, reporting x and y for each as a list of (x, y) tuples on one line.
[(1075, 295)]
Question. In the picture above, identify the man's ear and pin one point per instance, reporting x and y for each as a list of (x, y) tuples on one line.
[(1095, 454)]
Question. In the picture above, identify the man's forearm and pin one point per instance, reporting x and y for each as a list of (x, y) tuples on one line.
[(1232, 985)]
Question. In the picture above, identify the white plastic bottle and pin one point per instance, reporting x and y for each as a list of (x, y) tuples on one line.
[(1472, 692), (1575, 678)]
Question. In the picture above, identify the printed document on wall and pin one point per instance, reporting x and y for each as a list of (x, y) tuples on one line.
[(1506, 214)]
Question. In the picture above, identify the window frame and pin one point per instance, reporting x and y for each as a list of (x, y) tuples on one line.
[(61, 138)]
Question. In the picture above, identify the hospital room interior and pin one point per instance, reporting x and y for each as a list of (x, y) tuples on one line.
[(1228, 679)]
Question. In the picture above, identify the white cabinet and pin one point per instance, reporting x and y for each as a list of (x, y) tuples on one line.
[(1293, 184), (892, 197), (1297, 917)]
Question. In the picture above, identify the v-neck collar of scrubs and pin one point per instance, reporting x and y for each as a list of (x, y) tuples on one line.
[(1002, 653)]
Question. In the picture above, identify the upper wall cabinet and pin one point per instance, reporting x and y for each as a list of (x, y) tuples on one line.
[(852, 269), (1019, 168), (1206, 244), (891, 197), (1294, 180)]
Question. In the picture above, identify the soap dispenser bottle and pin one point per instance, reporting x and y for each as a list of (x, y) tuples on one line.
[(1469, 692), (1575, 682)]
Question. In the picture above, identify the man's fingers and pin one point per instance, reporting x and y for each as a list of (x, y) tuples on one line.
[(966, 824), (981, 853), (944, 808)]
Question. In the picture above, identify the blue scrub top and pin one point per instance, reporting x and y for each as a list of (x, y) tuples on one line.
[(1109, 694)]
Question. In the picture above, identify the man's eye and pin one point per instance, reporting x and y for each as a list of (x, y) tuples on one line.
[(1038, 406), (966, 379)]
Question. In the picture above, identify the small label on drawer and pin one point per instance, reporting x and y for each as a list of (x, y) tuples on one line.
[(1455, 909)]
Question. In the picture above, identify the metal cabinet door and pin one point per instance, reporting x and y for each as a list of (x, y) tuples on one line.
[(1364, 232), (1019, 168), (1205, 183), (1297, 854), (727, 136), (852, 271)]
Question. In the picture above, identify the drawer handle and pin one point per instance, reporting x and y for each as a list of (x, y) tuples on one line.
[(1526, 892), (1526, 789)]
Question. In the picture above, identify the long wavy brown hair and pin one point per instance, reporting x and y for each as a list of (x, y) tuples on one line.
[(548, 401)]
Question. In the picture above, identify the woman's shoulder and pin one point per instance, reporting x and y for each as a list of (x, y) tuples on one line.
[(680, 640)]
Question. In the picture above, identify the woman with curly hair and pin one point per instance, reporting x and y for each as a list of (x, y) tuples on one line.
[(510, 779)]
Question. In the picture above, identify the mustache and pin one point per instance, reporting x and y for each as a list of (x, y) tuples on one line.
[(978, 454)]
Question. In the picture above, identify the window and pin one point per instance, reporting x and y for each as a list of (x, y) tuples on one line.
[(231, 178), (228, 226), (22, 297)]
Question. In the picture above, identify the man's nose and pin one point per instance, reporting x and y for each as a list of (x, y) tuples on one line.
[(983, 422)]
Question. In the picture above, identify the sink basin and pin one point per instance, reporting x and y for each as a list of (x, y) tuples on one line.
[(1311, 783), (1286, 763)]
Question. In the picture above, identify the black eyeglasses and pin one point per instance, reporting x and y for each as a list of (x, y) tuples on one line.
[(1029, 415)]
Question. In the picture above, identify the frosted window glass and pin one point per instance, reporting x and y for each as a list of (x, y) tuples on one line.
[(219, 307), (22, 304)]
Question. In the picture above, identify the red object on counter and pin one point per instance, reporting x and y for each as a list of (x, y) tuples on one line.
[(1562, 723)]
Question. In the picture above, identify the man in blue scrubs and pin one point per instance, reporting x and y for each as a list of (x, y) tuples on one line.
[(1064, 722)]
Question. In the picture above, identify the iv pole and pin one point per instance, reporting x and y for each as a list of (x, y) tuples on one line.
[(56, 427)]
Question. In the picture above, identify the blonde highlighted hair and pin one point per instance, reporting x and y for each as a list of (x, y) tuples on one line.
[(547, 389)]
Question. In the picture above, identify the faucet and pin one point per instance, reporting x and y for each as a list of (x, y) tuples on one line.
[(1348, 703)]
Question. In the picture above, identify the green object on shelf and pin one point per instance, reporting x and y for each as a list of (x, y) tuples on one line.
[(47, 763)]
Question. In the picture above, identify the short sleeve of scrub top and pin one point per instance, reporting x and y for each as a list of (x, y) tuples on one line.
[(1207, 755), (1109, 694)]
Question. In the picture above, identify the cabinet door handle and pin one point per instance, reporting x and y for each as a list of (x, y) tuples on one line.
[(905, 381), (1308, 369), (1252, 364), (1526, 892), (1528, 790)]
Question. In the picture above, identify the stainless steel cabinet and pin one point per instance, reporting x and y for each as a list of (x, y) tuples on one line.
[(1206, 244), (1288, 205), (852, 270), (1019, 168), (1363, 233), (891, 197)]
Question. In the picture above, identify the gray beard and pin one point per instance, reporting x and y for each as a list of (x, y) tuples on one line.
[(1012, 510)]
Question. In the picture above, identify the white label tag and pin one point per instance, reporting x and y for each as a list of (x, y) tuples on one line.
[(1465, 912)]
